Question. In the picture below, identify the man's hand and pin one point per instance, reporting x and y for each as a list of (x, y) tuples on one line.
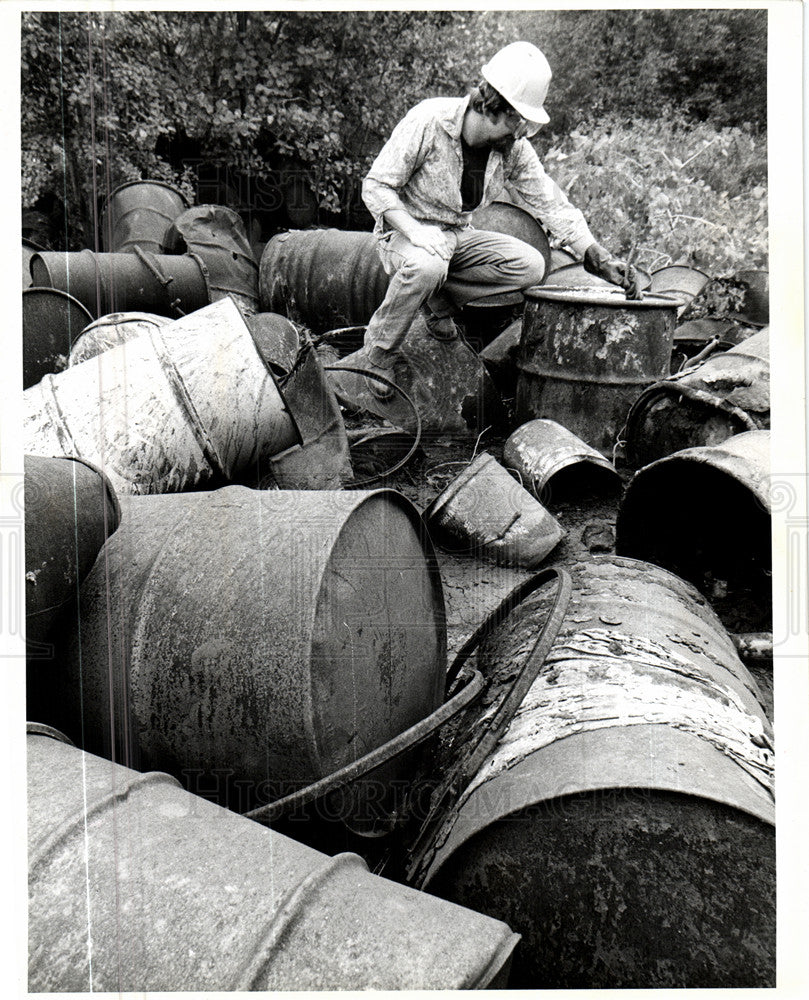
[(599, 261), (429, 238)]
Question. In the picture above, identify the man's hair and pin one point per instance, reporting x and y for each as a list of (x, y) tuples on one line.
[(487, 101)]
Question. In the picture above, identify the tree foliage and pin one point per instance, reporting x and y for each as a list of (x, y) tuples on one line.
[(281, 105)]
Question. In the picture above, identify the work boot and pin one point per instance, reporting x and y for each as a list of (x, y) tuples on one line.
[(379, 390), (439, 327)]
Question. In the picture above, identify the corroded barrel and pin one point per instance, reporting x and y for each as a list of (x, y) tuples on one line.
[(323, 278), (586, 355), (168, 284), (52, 321), (112, 331), (70, 511), (505, 217), (624, 823), (138, 214), (704, 513), (178, 407), (249, 638), (726, 394), (137, 886), (216, 236)]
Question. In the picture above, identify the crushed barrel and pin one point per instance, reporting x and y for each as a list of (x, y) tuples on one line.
[(726, 394), (52, 321), (139, 214), (178, 407)]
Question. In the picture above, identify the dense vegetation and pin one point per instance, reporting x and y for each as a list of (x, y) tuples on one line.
[(658, 118)]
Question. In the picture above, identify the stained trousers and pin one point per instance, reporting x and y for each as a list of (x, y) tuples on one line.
[(482, 263)]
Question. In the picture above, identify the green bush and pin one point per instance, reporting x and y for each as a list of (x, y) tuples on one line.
[(664, 191)]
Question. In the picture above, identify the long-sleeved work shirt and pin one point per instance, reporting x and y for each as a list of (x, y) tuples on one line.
[(419, 170)]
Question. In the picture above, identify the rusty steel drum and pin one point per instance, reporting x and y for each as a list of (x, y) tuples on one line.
[(486, 511), (704, 405), (575, 276), (509, 219), (135, 885), (585, 356), (171, 285), (216, 236), (112, 331), (623, 825), (554, 464), (70, 511), (446, 380), (181, 406), (138, 214), (52, 320), (704, 513), (322, 278), (244, 639), (680, 280)]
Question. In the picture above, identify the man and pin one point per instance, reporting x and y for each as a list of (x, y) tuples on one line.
[(447, 157)]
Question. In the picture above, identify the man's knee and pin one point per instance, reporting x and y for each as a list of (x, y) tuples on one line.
[(425, 270), (534, 268)]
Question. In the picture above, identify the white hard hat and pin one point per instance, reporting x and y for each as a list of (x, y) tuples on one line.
[(521, 74)]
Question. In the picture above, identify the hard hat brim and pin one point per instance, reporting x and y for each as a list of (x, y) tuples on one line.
[(537, 116)]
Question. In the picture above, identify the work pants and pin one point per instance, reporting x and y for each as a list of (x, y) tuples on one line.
[(481, 264)]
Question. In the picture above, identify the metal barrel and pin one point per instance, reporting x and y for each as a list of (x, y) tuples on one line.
[(680, 280), (585, 356), (487, 511), (171, 285), (505, 217), (704, 513), (323, 278), (176, 408), (52, 320), (756, 304), (29, 248), (138, 214), (70, 511), (216, 236), (575, 276), (726, 394), (624, 823), (135, 885), (111, 331), (552, 462), (446, 380), (249, 639)]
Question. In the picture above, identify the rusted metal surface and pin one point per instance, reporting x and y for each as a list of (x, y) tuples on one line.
[(575, 276), (500, 358), (680, 280), (51, 321), (509, 219), (170, 285), (446, 380), (705, 513), (111, 331), (585, 356), (321, 460), (323, 278), (70, 511), (540, 451), (486, 511), (632, 792), (277, 340), (251, 641), (176, 408), (138, 214), (702, 406), (216, 235), (137, 886)]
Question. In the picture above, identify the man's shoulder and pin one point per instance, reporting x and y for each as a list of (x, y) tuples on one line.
[(437, 108)]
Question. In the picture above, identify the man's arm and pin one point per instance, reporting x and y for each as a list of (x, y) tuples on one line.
[(544, 196), (398, 159)]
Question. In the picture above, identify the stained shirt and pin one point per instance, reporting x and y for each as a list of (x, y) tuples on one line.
[(419, 170)]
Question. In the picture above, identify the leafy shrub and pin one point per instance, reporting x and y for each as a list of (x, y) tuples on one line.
[(665, 191)]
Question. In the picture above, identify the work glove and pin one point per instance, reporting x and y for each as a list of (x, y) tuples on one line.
[(599, 261)]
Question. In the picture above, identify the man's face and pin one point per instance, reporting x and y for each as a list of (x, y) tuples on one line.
[(508, 126)]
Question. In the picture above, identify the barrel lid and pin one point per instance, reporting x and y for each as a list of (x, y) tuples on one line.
[(592, 296), (457, 484)]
